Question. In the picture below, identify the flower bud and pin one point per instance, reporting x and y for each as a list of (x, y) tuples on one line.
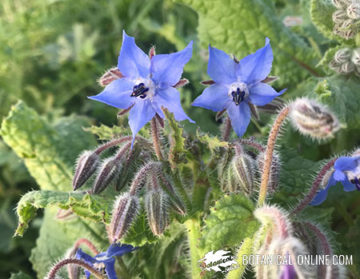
[(240, 175), (347, 67), (156, 203), (72, 269), (353, 11), (339, 3), (339, 16), (274, 171), (110, 75), (107, 173), (313, 119), (85, 167), (343, 55), (335, 66), (124, 213), (356, 57)]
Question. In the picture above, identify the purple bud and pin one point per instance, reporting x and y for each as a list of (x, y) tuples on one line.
[(156, 206), (85, 167), (274, 171), (107, 173), (124, 213)]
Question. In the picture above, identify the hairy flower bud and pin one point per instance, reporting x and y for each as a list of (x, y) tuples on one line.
[(339, 16), (72, 269), (240, 175), (106, 175), (343, 55), (356, 56), (340, 4), (85, 167), (353, 11), (274, 171), (347, 67), (156, 207), (125, 210), (313, 119)]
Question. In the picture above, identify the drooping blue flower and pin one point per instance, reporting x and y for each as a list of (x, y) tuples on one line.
[(147, 85), (106, 259), (237, 84), (346, 171)]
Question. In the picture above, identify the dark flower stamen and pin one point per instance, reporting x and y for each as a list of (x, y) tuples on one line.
[(356, 182), (238, 96), (139, 90)]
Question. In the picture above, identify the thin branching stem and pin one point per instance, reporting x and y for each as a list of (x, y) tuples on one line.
[(88, 243), (314, 188), (62, 263)]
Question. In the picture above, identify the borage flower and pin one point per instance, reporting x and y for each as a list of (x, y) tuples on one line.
[(146, 84), (346, 171), (105, 261), (237, 85)]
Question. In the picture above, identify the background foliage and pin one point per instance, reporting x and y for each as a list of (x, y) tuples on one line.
[(53, 51)]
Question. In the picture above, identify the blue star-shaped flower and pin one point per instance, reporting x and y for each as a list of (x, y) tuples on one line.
[(346, 171), (106, 259), (147, 85), (237, 84)]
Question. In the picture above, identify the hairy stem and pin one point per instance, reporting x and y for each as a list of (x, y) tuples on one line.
[(244, 250), (193, 233), (156, 139), (181, 190), (253, 144), (314, 188), (56, 268), (227, 129), (269, 153), (88, 243)]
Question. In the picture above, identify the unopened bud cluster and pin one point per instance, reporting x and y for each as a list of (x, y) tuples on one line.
[(241, 173), (90, 163), (159, 197), (346, 61), (313, 119), (346, 18)]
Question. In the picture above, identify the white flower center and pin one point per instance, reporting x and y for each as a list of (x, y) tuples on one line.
[(238, 92), (143, 89)]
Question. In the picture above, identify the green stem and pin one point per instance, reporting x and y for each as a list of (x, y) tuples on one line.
[(245, 249), (193, 233)]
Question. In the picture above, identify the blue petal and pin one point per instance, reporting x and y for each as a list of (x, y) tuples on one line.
[(214, 97), (117, 94), (348, 186), (166, 69), (110, 270), (345, 163), (240, 117), (321, 196), (339, 175), (170, 99), (139, 115), (119, 250), (262, 94), (221, 67), (132, 61), (86, 258), (256, 66)]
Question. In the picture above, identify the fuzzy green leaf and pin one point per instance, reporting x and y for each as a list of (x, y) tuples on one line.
[(20, 275), (212, 142), (229, 222), (91, 207), (222, 24), (49, 151), (105, 132)]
